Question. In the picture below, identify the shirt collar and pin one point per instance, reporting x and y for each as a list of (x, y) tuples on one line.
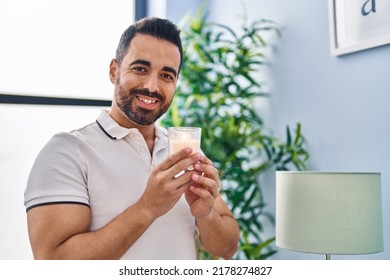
[(113, 130), (111, 127)]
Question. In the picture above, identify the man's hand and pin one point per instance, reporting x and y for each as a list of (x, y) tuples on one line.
[(164, 188), (218, 230), (204, 189)]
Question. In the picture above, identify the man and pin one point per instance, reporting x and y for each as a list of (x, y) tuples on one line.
[(109, 190)]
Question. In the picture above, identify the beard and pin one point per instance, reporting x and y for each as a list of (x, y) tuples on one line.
[(126, 101)]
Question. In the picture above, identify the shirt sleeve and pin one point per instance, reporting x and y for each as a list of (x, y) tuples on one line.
[(58, 175)]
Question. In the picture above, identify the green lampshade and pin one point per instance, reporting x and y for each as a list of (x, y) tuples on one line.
[(329, 213)]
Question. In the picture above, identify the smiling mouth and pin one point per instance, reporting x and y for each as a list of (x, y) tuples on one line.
[(147, 100)]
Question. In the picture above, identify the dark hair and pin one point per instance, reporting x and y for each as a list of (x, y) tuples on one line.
[(156, 27)]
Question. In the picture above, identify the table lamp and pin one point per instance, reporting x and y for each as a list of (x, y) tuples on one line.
[(330, 213)]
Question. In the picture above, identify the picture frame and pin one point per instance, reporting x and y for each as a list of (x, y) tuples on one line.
[(357, 25)]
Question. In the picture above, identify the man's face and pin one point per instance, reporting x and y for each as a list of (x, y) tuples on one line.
[(145, 82)]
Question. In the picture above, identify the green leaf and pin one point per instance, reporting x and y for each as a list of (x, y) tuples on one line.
[(219, 84)]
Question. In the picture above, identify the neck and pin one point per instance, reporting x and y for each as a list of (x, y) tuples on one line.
[(148, 131)]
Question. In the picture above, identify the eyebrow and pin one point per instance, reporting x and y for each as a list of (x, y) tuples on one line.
[(170, 69), (140, 61), (147, 63)]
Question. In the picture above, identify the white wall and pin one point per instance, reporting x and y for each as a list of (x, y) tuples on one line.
[(24, 131), (56, 48), (341, 102)]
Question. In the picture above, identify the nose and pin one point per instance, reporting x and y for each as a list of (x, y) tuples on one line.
[(151, 83)]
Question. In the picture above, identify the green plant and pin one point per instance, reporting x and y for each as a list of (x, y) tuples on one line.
[(217, 90)]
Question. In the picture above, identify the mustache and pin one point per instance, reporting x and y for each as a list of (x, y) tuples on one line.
[(147, 93)]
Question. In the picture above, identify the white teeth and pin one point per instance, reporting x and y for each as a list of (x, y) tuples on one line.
[(147, 101)]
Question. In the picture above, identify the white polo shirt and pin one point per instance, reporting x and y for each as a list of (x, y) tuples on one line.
[(106, 167)]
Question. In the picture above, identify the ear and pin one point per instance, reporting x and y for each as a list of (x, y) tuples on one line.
[(113, 70)]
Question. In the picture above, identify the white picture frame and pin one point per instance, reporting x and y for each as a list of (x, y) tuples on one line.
[(357, 25)]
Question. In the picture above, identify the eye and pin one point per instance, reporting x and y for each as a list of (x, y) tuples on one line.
[(168, 76), (140, 69)]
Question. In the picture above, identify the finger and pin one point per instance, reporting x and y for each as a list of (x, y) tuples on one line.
[(207, 161), (208, 184), (174, 158), (202, 193), (208, 170), (174, 165), (184, 187), (185, 165), (183, 181)]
